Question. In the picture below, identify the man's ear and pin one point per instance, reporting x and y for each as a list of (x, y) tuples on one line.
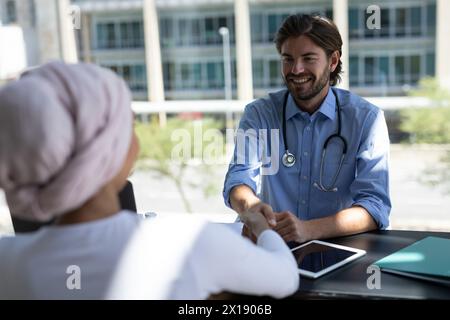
[(334, 60)]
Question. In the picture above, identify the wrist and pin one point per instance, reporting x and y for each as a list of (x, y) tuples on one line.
[(307, 231), (244, 203)]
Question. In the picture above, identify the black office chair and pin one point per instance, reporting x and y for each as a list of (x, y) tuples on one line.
[(127, 202)]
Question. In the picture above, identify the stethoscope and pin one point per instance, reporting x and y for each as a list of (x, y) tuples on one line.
[(289, 159)]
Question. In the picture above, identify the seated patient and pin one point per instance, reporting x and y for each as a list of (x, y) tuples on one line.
[(66, 149)]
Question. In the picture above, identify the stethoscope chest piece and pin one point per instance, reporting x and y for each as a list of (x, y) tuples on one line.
[(288, 159)]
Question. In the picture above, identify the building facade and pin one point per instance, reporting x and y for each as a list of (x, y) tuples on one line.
[(46, 27), (381, 62)]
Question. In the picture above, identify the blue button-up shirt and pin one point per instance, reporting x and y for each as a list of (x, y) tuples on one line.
[(363, 179)]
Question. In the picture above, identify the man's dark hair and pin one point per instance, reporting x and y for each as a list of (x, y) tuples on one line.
[(321, 30)]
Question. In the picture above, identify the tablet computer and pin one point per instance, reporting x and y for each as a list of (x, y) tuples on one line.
[(316, 258)]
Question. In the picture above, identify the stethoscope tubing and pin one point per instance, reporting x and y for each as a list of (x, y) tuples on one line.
[(289, 158)]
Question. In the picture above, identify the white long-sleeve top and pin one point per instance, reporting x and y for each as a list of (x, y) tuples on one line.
[(125, 257)]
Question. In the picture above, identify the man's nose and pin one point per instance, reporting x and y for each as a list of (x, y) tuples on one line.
[(298, 67)]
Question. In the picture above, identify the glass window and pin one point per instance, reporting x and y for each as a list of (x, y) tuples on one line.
[(273, 26), (125, 35), (431, 19), (354, 70), (11, 12), (196, 31), (274, 73), (169, 76), (430, 64), (211, 71), (214, 72), (211, 31), (222, 22), (353, 23), (126, 73), (185, 72), (233, 73), (369, 70), (257, 28), (138, 80), (110, 35), (196, 75), (385, 23), (101, 36), (258, 73), (399, 64), (414, 68), (167, 34), (383, 70), (416, 21), (220, 76), (184, 32), (138, 34), (400, 22), (231, 24)]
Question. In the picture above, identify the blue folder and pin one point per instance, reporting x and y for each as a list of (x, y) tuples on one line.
[(427, 259)]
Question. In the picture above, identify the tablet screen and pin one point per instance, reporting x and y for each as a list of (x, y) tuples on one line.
[(317, 258)]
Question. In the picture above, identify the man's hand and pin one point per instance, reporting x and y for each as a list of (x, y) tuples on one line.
[(242, 200), (266, 211), (290, 228)]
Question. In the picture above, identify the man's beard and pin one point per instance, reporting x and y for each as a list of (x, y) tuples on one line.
[(309, 94)]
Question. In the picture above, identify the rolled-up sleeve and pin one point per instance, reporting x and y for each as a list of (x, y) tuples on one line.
[(245, 166), (370, 188)]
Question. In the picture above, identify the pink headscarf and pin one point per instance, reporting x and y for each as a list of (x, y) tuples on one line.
[(65, 131)]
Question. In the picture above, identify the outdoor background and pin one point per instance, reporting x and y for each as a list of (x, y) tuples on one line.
[(187, 66)]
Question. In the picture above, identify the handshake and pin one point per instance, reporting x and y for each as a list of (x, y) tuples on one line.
[(257, 219), (260, 217)]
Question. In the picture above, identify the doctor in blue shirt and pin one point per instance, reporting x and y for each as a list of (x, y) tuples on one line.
[(313, 158)]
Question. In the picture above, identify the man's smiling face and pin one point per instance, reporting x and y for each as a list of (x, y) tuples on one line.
[(305, 68)]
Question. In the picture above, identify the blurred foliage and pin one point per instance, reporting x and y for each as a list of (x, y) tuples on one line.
[(429, 124), (439, 174), (182, 146), (429, 87)]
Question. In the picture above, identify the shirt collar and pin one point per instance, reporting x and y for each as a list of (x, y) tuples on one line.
[(327, 108)]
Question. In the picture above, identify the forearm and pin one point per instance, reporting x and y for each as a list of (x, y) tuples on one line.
[(348, 221), (242, 198)]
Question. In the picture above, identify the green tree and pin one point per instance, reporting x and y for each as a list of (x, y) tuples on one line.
[(430, 124), (180, 146)]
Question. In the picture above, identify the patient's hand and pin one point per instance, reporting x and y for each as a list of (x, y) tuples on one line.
[(254, 224), (248, 234)]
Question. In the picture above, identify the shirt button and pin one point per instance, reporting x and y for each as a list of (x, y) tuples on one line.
[(303, 202), (305, 177), (308, 128), (305, 154)]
